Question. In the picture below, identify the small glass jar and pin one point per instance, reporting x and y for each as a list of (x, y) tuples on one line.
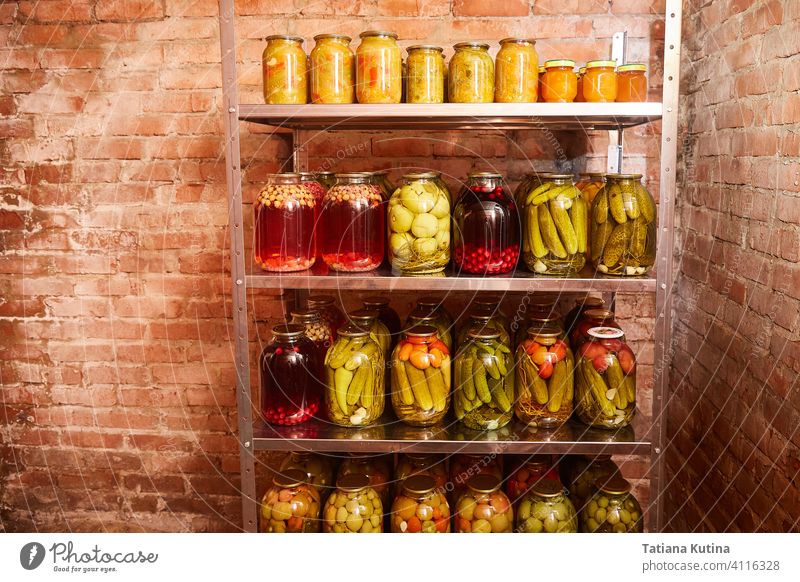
[(379, 68), (579, 96), (386, 314), (600, 82), (327, 179), (560, 81), (284, 68), (582, 305), (483, 507), (290, 389), (624, 227), (471, 74), (285, 216), (517, 76), (375, 467), (435, 466), (318, 331), (332, 69), (529, 473), (483, 316), (367, 319), (354, 224), (421, 507), (595, 317), (291, 505), (545, 509), (317, 468), (318, 191), (486, 226), (419, 226), (632, 83), (582, 475), (431, 311), (465, 466), (590, 183), (354, 507), (425, 74), (325, 305), (613, 508)]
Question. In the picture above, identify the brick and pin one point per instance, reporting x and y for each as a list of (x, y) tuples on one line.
[(129, 10), (483, 8)]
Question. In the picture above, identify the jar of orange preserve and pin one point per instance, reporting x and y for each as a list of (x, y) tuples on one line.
[(600, 82), (632, 82), (560, 81)]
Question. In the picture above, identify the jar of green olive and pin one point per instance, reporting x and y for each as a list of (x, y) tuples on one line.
[(545, 509), (612, 509)]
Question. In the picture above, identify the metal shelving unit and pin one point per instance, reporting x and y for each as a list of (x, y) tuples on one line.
[(392, 436)]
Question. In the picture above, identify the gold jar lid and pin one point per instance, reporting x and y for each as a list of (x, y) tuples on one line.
[(614, 484), (484, 175), (543, 299), (624, 176), (632, 67), (546, 331), (375, 302), (542, 70), (484, 483), (472, 44), (600, 64), (548, 488), (363, 315), (289, 478), (343, 37), (352, 482), (422, 176), (419, 456), (419, 484), (352, 330), (559, 176), (512, 40), (288, 37), (421, 331), (288, 330), (305, 315), (319, 300), (385, 33), (425, 47), (559, 63), (599, 314), (483, 333), (489, 299)]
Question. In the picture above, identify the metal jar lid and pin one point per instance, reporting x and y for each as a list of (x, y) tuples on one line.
[(288, 330), (472, 44), (419, 484), (352, 330), (483, 333), (343, 37), (548, 488), (352, 482), (421, 331), (484, 483), (614, 484), (376, 302), (289, 478), (288, 37)]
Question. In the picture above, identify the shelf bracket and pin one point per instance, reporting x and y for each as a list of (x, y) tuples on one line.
[(619, 47)]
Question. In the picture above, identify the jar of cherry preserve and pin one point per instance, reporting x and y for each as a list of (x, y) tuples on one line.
[(486, 226), (290, 390)]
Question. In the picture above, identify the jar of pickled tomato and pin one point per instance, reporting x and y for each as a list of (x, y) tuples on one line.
[(560, 81), (332, 69), (425, 74), (379, 68), (589, 318), (600, 82), (632, 82), (471, 74), (284, 67), (582, 304), (421, 507), (517, 74), (483, 507), (579, 97)]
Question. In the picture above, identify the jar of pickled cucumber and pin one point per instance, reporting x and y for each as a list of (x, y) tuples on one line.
[(582, 305), (291, 505), (471, 74), (589, 318), (533, 470), (494, 302), (284, 68), (318, 331), (421, 377), (484, 380), (517, 75), (367, 319), (613, 508), (354, 507), (582, 475), (411, 464), (600, 82), (606, 379), (560, 83), (631, 82), (326, 306), (379, 68), (327, 179), (375, 467), (419, 226), (545, 509), (421, 507), (317, 468), (354, 375), (425, 74), (483, 316), (555, 228), (332, 69), (386, 314), (483, 507)]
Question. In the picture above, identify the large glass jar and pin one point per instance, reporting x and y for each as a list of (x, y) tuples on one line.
[(471, 74), (421, 507), (555, 224), (560, 83), (632, 82), (517, 75), (434, 304), (326, 306), (332, 69), (354, 507), (310, 181), (367, 319), (484, 381), (354, 375), (431, 311), (483, 507), (386, 314), (493, 302), (582, 305), (285, 216), (290, 390), (590, 183), (291, 505), (582, 475), (318, 469), (381, 178), (606, 380), (425, 74), (588, 319), (411, 464), (612, 509), (353, 224), (465, 466), (379, 68), (419, 226), (375, 467), (486, 226), (483, 316), (327, 179), (284, 68), (545, 509), (600, 82), (318, 331), (624, 226), (528, 474)]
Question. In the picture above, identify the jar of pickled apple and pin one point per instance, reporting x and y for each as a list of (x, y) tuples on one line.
[(589, 318), (325, 305), (379, 68), (605, 380), (291, 505), (310, 181), (354, 507), (600, 82), (375, 467), (483, 507), (421, 507), (582, 475), (517, 75), (431, 311), (483, 316), (317, 468), (624, 227), (590, 183), (367, 319), (465, 466), (386, 314), (532, 470), (284, 223), (411, 464), (545, 509), (353, 220), (582, 304), (425, 74), (471, 74), (631, 82), (284, 67), (560, 81), (613, 508), (327, 179), (579, 97), (332, 69)]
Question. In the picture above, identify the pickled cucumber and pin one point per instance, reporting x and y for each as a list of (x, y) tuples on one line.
[(549, 234)]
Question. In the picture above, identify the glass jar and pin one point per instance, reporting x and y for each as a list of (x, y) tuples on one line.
[(560, 81), (327, 179), (529, 473), (375, 467), (317, 468), (483, 507), (486, 226), (612, 509), (606, 380), (631, 83), (582, 305), (309, 180), (587, 320), (579, 98), (540, 91), (284, 68), (624, 226), (545, 383), (431, 311), (318, 331), (480, 317), (582, 475), (379, 68), (421, 377), (386, 314), (353, 217), (465, 466), (600, 82), (354, 375), (291, 505), (332, 69), (493, 302), (555, 224), (354, 507), (381, 178), (435, 466), (419, 226), (517, 78), (484, 381), (367, 319), (425, 74), (471, 74), (325, 305), (590, 183), (285, 216), (545, 509), (290, 390), (420, 508)]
